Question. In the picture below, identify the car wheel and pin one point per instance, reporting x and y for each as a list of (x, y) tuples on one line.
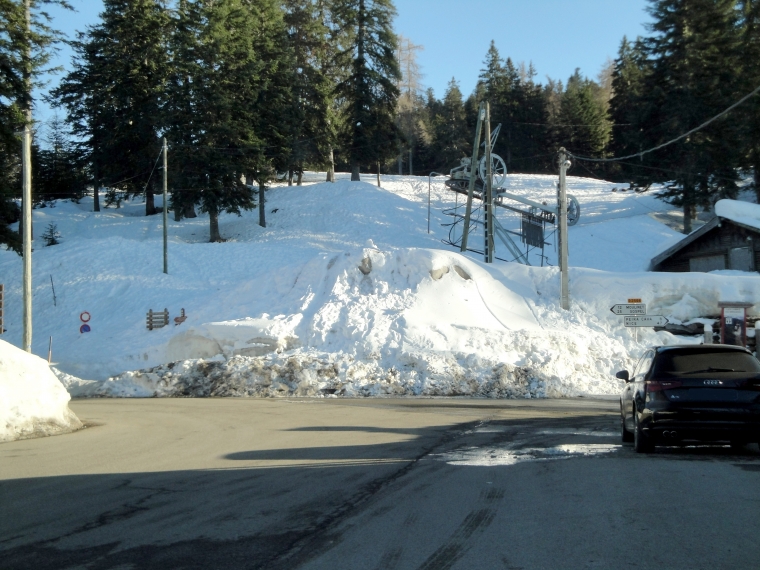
[(625, 435), (641, 443)]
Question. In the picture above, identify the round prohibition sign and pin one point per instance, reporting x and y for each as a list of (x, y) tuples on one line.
[(84, 316)]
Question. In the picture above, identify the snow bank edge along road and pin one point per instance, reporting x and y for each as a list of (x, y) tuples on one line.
[(33, 402), (424, 323)]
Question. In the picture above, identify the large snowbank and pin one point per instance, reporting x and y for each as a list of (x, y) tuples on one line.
[(345, 292), (428, 322), (33, 402)]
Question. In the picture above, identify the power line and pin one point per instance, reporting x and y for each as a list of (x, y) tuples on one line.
[(152, 171), (675, 140)]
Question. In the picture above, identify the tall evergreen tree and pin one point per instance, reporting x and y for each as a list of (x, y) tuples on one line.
[(630, 109), (527, 126), (309, 111), (114, 94), (450, 141), (58, 167), (694, 53), (520, 105), (11, 118), (583, 123), (224, 93), (494, 77), (370, 91), (24, 52)]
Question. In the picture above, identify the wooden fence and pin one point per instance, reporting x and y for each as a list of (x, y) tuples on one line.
[(156, 320)]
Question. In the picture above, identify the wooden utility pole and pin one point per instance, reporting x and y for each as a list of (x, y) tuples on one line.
[(166, 247), (488, 191), (26, 178), (564, 164), (473, 175)]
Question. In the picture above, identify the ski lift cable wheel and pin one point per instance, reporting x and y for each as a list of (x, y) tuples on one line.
[(498, 170)]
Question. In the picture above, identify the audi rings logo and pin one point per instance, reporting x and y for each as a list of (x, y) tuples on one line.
[(712, 382)]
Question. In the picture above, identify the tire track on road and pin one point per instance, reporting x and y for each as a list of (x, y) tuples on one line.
[(325, 536)]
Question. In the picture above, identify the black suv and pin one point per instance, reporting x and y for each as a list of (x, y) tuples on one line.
[(682, 394)]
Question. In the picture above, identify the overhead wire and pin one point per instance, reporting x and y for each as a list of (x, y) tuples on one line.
[(152, 171), (676, 139)]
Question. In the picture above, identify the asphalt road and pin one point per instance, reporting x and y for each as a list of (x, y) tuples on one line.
[(370, 484)]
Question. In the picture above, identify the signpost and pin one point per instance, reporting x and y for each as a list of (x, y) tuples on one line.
[(634, 314), (629, 309), (733, 323), (645, 321)]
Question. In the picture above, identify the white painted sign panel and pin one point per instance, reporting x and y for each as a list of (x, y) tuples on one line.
[(629, 309), (645, 321)]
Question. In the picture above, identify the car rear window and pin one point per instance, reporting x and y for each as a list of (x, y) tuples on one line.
[(701, 361)]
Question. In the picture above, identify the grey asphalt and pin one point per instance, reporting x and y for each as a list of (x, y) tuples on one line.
[(370, 484)]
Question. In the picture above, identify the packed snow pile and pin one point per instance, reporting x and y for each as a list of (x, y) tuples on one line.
[(403, 321), (33, 402), (345, 292), (431, 323)]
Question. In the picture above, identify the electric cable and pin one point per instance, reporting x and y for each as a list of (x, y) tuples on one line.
[(675, 140), (152, 171)]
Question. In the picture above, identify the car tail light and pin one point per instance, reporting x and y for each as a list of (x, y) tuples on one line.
[(660, 385)]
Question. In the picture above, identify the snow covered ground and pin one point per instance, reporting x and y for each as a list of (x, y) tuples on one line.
[(33, 402), (346, 293)]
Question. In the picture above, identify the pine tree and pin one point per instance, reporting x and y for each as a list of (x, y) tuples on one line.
[(450, 141), (583, 124), (694, 52), (24, 52), (11, 118), (370, 91), (114, 94), (226, 92), (494, 76), (309, 111), (58, 168), (520, 106), (51, 235), (629, 112)]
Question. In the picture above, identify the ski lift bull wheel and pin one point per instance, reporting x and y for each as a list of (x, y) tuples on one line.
[(498, 170), (573, 210)]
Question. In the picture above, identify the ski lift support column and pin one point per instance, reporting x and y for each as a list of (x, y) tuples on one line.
[(473, 175), (564, 164)]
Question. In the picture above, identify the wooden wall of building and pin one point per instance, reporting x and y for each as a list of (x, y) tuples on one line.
[(704, 252)]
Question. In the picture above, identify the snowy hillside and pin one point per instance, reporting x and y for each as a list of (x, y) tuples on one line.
[(345, 292)]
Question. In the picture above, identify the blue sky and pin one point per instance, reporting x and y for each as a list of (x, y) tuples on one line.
[(556, 35)]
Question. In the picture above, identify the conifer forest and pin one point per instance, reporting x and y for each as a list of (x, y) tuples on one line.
[(245, 91)]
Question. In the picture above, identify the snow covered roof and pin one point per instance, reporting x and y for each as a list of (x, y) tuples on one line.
[(744, 213)]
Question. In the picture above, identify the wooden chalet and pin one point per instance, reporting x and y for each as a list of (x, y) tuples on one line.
[(731, 240)]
